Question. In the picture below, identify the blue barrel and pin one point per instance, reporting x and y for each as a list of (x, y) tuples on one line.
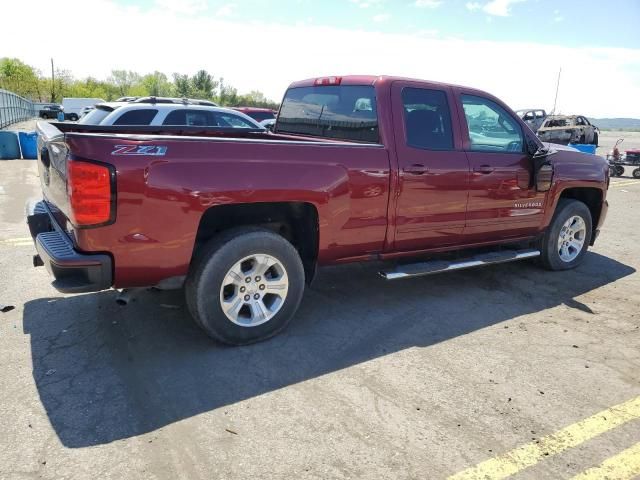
[(29, 145), (60, 117), (9, 146), (584, 147)]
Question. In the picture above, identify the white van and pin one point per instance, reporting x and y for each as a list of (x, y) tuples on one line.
[(72, 107)]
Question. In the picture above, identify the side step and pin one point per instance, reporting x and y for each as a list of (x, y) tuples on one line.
[(439, 266)]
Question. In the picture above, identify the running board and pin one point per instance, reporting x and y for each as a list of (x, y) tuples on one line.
[(439, 266)]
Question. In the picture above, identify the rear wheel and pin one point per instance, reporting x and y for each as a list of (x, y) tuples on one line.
[(636, 173), (566, 240), (595, 139), (619, 170), (245, 286)]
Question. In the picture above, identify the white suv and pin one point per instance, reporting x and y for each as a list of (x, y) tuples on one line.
[(177, 114)]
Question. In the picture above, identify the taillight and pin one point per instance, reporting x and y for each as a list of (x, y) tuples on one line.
[(90, 190), (328, 81)]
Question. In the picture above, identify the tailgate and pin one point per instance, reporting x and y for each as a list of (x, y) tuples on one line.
[(52, 168)]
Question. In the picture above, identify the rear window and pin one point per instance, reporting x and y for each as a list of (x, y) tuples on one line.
[(95, 116), (136, 117), (343, 112)]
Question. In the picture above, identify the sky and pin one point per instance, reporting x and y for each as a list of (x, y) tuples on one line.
[(513, 49)]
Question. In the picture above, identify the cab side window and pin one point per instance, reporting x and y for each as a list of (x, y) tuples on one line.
[(491, 128), (427, 119)]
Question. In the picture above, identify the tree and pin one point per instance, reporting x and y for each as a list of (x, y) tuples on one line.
[(182, 85), (228, 94), (157, 84), (124, 80), (204, 85), (19, 77)]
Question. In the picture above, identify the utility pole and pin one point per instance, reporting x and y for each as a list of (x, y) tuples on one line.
[(53, 84), (555, 100)]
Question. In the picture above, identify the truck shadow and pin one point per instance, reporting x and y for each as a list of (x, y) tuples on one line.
[(106, 372)]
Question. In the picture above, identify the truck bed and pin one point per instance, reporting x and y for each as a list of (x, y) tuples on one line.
[(167, 179)]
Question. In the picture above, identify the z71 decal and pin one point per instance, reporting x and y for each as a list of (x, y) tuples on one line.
[(154, 150)]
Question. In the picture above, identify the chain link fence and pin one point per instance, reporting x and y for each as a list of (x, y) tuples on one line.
[(14, 108)]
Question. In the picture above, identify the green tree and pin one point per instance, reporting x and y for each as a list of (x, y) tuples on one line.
[(157, 84), (182, 85), (18, 77), (204, 85), (124, 80), (228, 94)]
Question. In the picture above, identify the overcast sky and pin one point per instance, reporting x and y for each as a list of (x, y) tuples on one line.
[(511, 48)]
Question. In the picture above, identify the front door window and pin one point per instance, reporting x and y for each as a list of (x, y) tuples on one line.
[(491, 128)]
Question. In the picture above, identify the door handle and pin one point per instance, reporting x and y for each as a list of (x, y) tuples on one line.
[(483, 169), (415, 169)]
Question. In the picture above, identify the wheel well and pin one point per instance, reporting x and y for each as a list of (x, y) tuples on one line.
[(295, 221), (591, 197)]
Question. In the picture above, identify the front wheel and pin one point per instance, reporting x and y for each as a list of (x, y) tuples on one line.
[(245, 286), (595, 139), (636, 173), (566, 240)]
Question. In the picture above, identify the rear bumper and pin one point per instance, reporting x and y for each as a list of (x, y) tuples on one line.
[(73, 272)]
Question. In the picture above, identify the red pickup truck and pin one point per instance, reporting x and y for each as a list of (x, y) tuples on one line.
[(358, 168)]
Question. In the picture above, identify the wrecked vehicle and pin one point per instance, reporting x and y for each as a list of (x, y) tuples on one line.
[(534, 117), (565, 129)]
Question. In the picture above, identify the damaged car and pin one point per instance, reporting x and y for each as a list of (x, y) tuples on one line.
[(534, 117), (565, 129)]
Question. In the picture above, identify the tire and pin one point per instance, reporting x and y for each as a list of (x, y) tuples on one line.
[(636, 173), (582, 139), (551, 256), (612, 171), (210, 285), (619, 170), (73, 117), (595, 139)]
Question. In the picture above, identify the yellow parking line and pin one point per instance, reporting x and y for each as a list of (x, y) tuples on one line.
[(623, 466), (625, 183), (16, 240), (531, 453)]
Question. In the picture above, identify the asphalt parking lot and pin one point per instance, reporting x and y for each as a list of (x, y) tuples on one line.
[(507, 370)]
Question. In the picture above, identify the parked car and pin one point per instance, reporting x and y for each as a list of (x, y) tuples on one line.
[(358, 169), (269, 124), (134, 113), (565, 129), (258, 114), (50, 111), (534, 117), (86, 110), (73, 106)]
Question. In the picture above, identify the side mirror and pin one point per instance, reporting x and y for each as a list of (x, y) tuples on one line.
[(544, 177), (542, 167)]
